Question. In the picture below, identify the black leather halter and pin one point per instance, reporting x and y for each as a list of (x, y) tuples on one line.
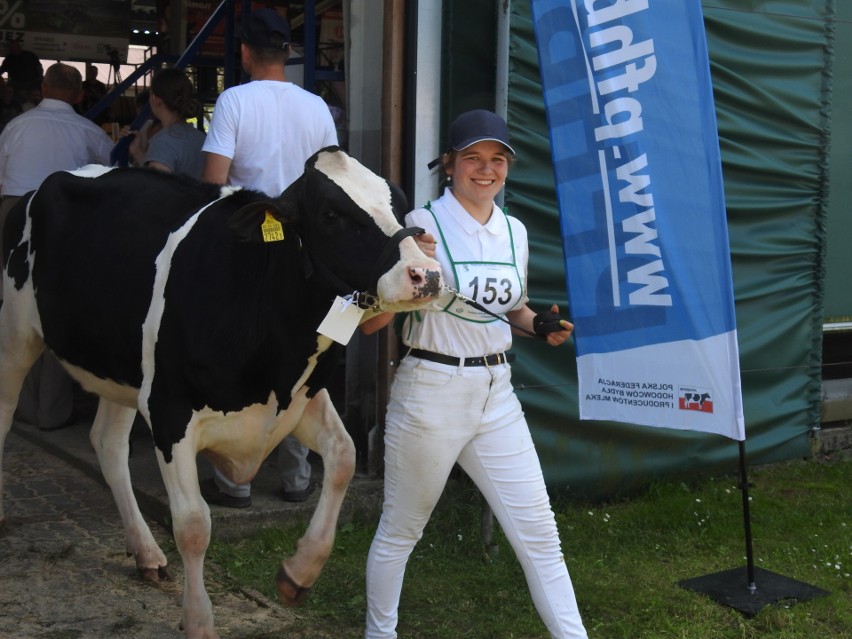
[(367, 299)]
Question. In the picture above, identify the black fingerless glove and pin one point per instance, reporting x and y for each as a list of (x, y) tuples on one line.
[(547, 322)]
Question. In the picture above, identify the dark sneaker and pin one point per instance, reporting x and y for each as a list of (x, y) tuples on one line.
[(298, 495), (214, 496)]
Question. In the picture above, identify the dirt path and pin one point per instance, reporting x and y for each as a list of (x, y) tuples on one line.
[(64, 573)]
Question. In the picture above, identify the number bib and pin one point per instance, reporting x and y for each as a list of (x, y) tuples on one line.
[(495, 285)]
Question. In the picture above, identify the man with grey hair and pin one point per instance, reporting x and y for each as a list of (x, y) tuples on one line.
[(48, 138)]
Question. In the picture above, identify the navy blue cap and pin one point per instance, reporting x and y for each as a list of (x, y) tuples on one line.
[(266, 29), (475, 126)]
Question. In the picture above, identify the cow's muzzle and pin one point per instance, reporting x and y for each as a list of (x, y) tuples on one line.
[(427, 282), (383, 264)]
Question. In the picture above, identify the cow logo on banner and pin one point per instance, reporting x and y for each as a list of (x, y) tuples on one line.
[(700, 399), (639, 184)]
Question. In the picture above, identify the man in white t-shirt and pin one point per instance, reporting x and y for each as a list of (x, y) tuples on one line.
[(48, 138), (260, 137)]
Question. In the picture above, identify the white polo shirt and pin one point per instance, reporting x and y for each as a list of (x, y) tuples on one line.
[(469, 241)]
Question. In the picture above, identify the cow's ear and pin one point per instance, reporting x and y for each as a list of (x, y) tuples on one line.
[(258, 222)]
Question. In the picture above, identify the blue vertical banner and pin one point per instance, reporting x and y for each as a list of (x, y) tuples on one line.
[(636, 158)]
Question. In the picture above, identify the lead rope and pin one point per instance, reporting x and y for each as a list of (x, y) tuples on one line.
[(480, 307)]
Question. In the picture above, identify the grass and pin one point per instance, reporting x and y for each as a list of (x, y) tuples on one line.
[(625, 558)]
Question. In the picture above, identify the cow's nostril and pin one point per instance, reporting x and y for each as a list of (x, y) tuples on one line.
[(415, 275)]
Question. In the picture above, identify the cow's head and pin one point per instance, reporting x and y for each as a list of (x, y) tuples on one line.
[(347, 217)]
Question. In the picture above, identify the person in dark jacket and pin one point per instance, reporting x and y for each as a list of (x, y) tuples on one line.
[(23, 69)]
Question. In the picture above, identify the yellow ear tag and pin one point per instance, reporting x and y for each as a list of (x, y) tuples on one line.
[(272, 229)]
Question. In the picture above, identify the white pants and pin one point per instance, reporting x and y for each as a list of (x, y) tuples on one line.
[(441, 414)]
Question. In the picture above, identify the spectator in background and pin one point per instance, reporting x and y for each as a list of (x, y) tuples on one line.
[(93, 91), (9, 106), (260, 137), (177, 145), (32, 101), (48, 138), (23, 69)]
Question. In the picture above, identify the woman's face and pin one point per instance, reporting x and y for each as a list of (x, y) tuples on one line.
[(478, 172)]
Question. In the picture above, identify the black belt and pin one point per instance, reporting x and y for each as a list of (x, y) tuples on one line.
[(487, 360)]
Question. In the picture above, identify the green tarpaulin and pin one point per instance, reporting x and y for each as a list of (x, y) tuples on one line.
[(771, 65)]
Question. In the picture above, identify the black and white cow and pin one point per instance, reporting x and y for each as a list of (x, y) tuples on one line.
[(198, 306)]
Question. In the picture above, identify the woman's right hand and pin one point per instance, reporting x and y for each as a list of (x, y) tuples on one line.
[(426, 242)]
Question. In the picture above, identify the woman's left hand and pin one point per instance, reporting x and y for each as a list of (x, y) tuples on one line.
[(547, 325), (557, 336)]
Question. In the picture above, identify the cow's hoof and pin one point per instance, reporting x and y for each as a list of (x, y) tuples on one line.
[(290, 593), (201, 633), (156, 575)]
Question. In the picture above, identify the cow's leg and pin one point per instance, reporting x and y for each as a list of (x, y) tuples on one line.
[(191, 525), (110, 437), (321, 430), (18, 353)]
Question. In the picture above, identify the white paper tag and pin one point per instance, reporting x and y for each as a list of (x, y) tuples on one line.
[(341, 321)]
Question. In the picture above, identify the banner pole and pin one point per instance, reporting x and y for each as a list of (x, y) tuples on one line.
[(726, 587), (744, 486)]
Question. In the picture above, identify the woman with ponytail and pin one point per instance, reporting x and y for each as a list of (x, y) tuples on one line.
[(177, 146)]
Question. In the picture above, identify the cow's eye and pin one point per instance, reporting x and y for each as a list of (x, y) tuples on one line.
[(330, 215)]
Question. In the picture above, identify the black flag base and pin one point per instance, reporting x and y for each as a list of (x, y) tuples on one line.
[(733, 588)]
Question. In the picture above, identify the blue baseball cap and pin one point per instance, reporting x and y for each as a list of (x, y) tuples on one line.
[(266, 29), (475, 126)]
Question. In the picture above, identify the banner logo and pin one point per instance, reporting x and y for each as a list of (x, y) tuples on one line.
[(697, 399)]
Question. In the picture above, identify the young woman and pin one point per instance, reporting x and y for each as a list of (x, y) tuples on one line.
[(452, 398), (176, 147)]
